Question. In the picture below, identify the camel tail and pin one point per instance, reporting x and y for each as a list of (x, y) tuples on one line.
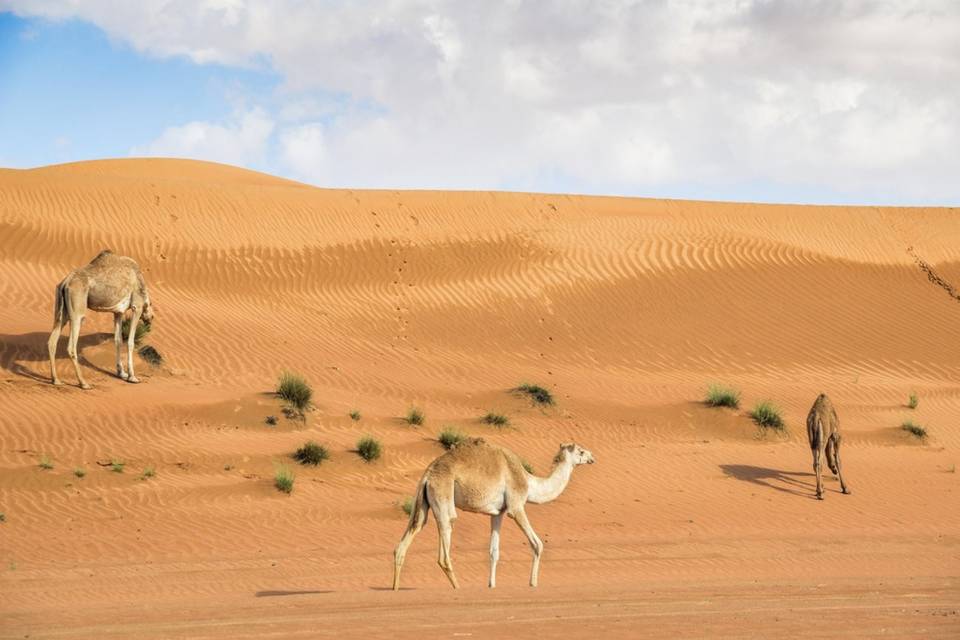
[(60, 303), (421, 506)]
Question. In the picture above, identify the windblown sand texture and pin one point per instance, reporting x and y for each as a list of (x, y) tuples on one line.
[(692, 522)]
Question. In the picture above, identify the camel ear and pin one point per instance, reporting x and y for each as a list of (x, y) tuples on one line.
[(569, 447)]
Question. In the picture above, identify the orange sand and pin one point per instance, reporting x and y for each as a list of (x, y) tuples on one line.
[(690, 524)]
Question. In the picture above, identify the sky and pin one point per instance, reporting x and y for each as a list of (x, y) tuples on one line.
[(808, 101)]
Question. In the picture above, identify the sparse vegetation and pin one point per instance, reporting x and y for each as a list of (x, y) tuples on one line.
[(79, 472), (767, 415), (720, 396), (354, 415), (295, 390), (537, 393), (143, 328), (311, 453), (415, 417), (496, 419), (151, 355), (228, 467), (407, 505), (283, 479), (450, 438), (3, 516), (148, 473), (116, 466), (369, 448), (914, 429), (271, 420), (45, 463), (527, 466), (913, 401)]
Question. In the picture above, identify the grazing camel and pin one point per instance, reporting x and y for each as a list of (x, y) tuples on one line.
[(823, 432), (109, 283), (484, 478)]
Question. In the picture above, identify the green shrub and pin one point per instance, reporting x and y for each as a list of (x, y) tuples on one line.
[(913, 401), (767, 415), (407, 505), (415, 417), (80, 472), (45, 463), (914, 429), (143, 328), (369, 448), (496, 419), (295, 390), (450, 438), (354, 415), (148, 473), (151, 355), (718, 396), (283, 479), (537, 393), (116, 466), (311, 453)]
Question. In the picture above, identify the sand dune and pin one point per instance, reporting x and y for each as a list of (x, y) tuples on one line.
[(625, 308)]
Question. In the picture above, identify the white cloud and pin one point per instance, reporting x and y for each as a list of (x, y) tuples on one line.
[(242, 140), (858, 97)]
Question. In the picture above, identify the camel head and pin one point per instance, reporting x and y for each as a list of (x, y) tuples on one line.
[(575, 454), (147, 315)]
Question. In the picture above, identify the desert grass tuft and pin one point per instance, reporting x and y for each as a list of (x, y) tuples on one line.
[(415, 416), (450, 437), (151, 355), (79, 472), (143, 328), (271, 420), (369, 448), (914, 429), (283, 479), (354, 415), (720, 396), (116, 466), (407, 505), (913, 401), (295, 390), (3, 516), (537, 393), (767, 415), (496, 419), (45, 463), (148, 473), (311, 453)]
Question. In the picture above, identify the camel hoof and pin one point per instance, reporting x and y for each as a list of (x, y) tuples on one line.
[(847, 492), (819, 496), (133, 379), (123, 375), (57, 383), (85, 386)]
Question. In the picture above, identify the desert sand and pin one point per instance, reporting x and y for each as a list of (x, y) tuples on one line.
[(693, 523)]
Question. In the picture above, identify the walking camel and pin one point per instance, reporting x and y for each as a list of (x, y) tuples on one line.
[(484, 478), (110, 283), (823, 432)]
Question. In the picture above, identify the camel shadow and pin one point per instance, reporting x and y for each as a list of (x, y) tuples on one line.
[(15, 349), (278, 593), (785, 481)]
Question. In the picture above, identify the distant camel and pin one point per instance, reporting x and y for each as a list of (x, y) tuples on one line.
[(109, 283), (484, 478), (823, 432)]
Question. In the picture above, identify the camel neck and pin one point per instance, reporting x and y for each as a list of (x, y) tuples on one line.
[(542, 490)]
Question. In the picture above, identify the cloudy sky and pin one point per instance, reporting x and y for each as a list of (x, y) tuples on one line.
[(820, 101)]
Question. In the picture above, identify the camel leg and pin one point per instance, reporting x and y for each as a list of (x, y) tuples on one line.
[(521, 517), (58, 326), (75, 323), (401, 551), (445, 527), (836, 455), (118, 342), (495, 522), (130, 343), (817, 453)]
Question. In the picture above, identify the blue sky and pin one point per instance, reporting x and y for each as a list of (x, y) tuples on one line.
[(752, 100)]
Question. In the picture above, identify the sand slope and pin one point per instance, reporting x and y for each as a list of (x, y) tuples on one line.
[(625, 308)]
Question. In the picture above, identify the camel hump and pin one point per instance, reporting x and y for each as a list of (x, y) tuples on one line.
[(103, 254)]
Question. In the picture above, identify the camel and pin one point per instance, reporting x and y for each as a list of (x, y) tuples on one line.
[(110, 283), (484, 478), (823, 432)]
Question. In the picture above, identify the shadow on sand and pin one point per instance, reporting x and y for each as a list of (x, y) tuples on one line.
[(786, 481), (15, 349), (276, 594)]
